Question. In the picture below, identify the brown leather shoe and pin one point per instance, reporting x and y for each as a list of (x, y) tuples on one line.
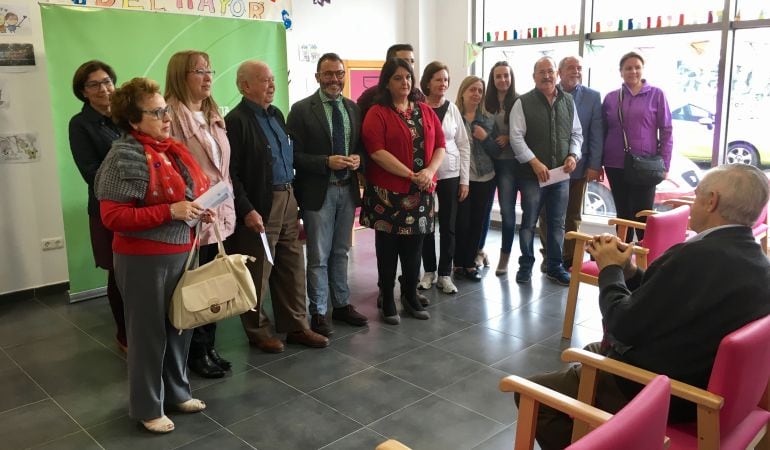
[(320, 325), (308, 338), (269, 345), (349, 315)]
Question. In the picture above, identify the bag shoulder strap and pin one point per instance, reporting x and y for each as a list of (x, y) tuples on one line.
[(626, 147)]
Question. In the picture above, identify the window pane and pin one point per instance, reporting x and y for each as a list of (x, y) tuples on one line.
[(501, 15), (522, 59), (747, 137), (609, 12), (752, 9)]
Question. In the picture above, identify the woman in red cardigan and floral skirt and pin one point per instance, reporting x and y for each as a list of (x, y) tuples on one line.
[(405, 144)]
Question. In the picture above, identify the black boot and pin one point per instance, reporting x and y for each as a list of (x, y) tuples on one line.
[(389, 312), (205, 367)]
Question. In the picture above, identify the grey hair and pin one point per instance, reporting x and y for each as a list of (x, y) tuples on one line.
[(544, 58), (564, 60), (743, 192)]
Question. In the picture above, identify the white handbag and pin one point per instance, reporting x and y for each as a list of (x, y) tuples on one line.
[(217, 290)]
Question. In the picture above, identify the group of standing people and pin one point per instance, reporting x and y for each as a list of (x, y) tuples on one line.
[(146, 157)]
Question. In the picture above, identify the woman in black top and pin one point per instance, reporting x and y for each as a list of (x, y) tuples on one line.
[(91, 133)]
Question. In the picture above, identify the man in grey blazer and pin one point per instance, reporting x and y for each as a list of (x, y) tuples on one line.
[(325, 128), (589, 167)]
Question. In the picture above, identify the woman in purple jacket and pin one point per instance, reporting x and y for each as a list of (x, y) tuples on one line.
[(646, 120)]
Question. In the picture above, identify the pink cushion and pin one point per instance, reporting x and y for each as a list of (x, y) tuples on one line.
[(589, 268)]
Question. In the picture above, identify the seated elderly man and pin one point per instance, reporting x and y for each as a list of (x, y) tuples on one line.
[(671, 318)]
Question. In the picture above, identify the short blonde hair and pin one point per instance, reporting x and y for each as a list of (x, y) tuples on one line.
[(464, 85)]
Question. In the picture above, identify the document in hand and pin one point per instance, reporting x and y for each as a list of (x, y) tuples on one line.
[(555, 175), (211, 198)]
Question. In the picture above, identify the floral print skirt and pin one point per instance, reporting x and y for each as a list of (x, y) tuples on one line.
[(395, 213)]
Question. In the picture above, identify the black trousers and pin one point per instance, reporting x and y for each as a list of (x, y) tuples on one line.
[(203, 336), (471, 216), (390, 248), (630, 199), (446, 190)]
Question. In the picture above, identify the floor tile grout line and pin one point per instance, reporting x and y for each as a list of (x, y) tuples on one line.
[(350, 434), (53, 400)]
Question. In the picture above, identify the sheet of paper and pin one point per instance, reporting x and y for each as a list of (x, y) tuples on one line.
[(268, 255), (555, 175), (211, 198)]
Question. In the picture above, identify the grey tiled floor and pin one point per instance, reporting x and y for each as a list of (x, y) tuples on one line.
[(431, 385)]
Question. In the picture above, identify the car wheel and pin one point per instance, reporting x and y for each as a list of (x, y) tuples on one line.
[(598, 200), (741, 153)]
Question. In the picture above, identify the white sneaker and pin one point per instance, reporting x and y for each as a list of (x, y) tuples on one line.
[(446, 285), (427, 281)]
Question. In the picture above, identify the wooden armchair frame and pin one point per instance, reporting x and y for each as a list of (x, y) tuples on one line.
[(708, 404), (578, 276)]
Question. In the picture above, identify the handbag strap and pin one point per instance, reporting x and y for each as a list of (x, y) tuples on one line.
[(194, 248), (218, 234), (626, 147)]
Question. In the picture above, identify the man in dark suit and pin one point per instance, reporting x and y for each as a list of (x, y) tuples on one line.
[(327, 153), (262, 170), (671, 318)]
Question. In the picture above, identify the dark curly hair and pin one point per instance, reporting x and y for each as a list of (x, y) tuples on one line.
[(125, 101), (383, 96)]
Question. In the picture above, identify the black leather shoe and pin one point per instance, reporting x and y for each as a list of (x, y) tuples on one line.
[(472, 275), (218, 360), (205, 367)]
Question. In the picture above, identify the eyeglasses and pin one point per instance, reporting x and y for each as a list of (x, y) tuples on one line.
[(329, 74), (107, 82), (158, 113), (203, 72)]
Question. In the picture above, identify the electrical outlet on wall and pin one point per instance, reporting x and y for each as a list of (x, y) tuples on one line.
[(52, 243)]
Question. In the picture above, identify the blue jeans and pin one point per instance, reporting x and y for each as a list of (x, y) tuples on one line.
[(328, 233), (506, 198), (533, 198)]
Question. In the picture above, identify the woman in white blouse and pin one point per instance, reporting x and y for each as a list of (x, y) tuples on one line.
[(452, 186)]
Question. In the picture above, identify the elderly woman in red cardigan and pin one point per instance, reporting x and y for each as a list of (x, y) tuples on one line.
[(405, 143)]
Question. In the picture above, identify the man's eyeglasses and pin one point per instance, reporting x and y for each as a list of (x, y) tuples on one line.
[(107, 82), (329, 74), (158, 113), (203, 72)]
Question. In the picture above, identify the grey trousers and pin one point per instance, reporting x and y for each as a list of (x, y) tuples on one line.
[(157, 353)]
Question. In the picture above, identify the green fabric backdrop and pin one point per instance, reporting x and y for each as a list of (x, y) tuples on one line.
[(137, 43)]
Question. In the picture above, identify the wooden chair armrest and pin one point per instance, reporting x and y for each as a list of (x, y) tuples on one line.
[(646, 213), (392, 444), (685, 391), (627, 223), (590, 414), (578, 236)]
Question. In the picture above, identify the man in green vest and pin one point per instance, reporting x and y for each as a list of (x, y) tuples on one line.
[(546, 137)]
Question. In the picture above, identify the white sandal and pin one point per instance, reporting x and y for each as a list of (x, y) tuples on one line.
[(160, 424), (191, 406)]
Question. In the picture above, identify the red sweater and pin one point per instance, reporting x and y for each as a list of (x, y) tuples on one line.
[(121, 217), (384, 129)]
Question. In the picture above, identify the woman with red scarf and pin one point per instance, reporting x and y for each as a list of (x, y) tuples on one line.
[(146, 187)]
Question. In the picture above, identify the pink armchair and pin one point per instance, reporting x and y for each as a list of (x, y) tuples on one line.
[(640, 425), (733, 413), (662, 231)]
